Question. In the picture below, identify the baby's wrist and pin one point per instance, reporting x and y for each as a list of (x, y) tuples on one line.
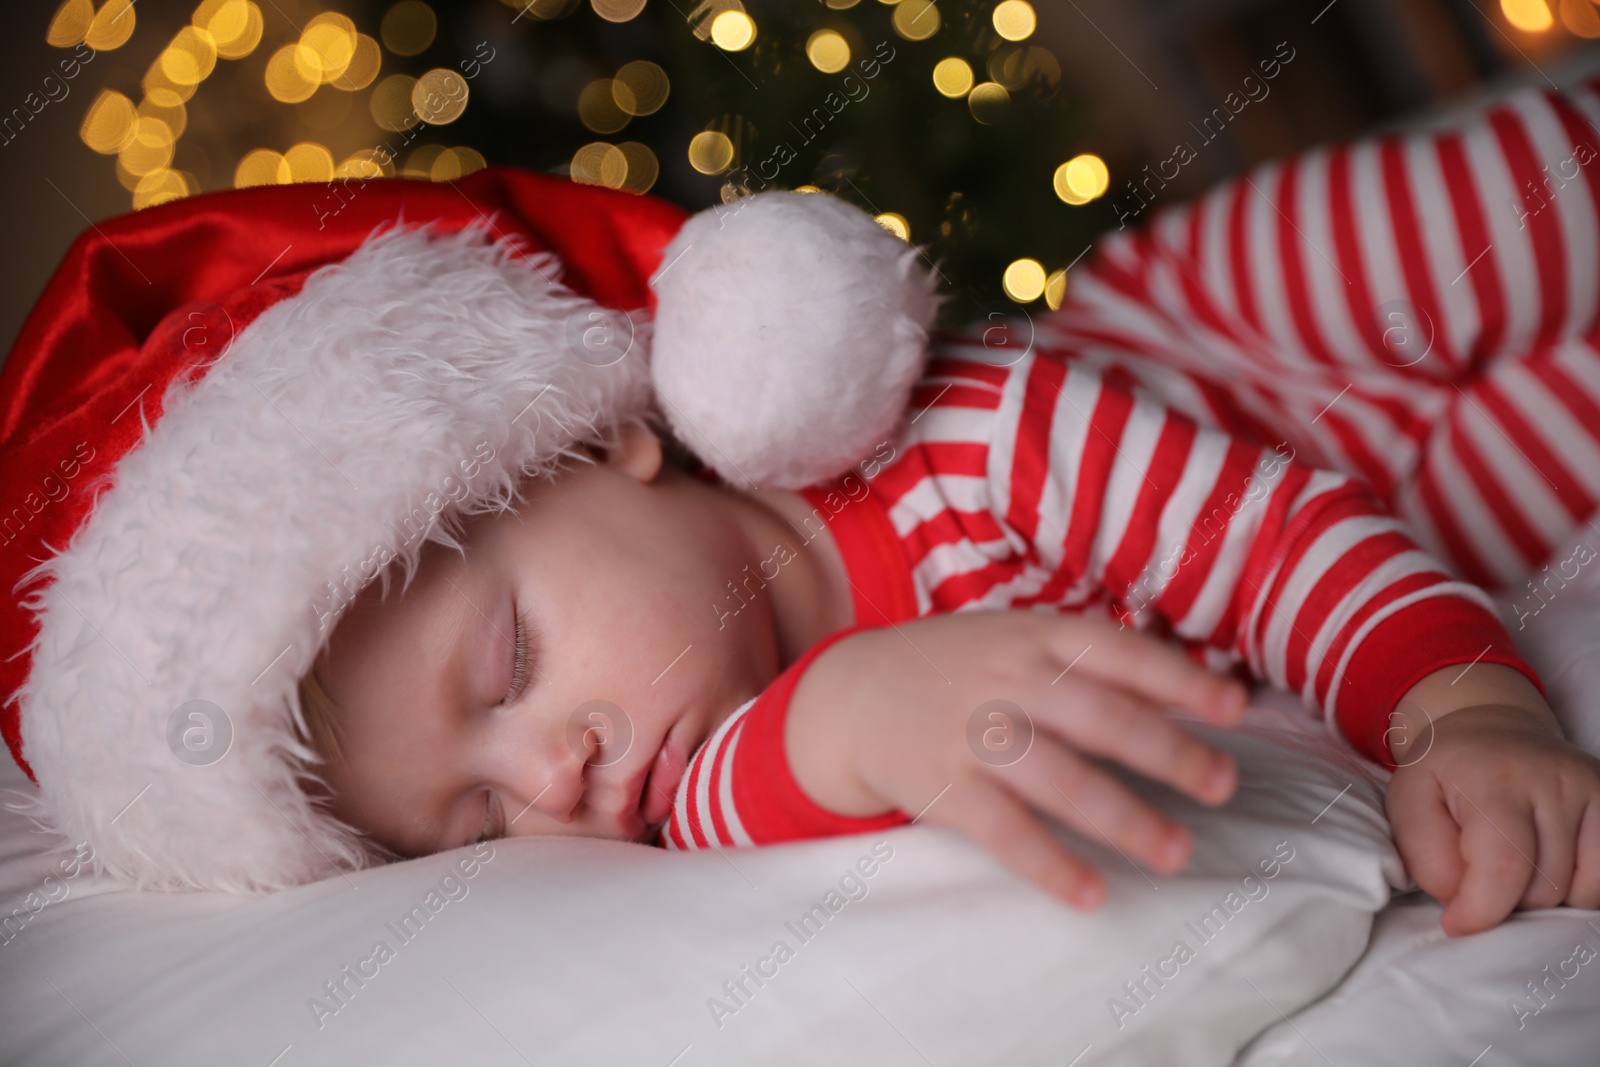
[(1494, 689)]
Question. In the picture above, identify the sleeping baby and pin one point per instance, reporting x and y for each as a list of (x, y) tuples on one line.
[(949, 633)]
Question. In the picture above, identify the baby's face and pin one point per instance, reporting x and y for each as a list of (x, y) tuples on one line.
[(616, 568)]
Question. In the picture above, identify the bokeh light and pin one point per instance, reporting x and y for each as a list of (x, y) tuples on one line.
[(439, 97), (235, 26), (916, 20), (989, 102), (391, 102), (1529, 16), (309, 162), (331, 38), (895, 223), (408, 28), (733, 31), (111, 26), (159, 186), (1024, 280), (617, 10), (643, 167), (1014, 20), (263, 166), (1055, 289), (70, 24), (1081, 179), (599, 163), (952, 77), (828, 51), (710, 152), (640, 87), (190, 58), (455, 163), (110, 123), (1582, 17), (286, 77), (150, 147), (599, 106)]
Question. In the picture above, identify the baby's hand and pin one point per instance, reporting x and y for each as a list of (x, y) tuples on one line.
[(966, 720), (1498, 812)]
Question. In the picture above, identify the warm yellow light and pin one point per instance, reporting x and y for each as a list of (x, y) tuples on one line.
[(110, 124), (309, 162), (710, 152), (286, 77), (643, 168), (236, 27), (617, 10), (364, 65), (828, 51), (640, 87), (916, 20), (600, 106), (1081, 179), (261, 167), (332, 37), (439, 97), (70, 23), (1055, 289), (733, 31), (408, 27), (895, 223), (841, 5), (1529, 16), (162, 90), (150, 149), (599, 163), (1024, 280), (1581, 17), (158, 187), (391, 102), (111, 26), (190, 58), (806, 189), (176, 117), (952, 77), (364, 164), (1014, 20), (987, 102), (456, 162)]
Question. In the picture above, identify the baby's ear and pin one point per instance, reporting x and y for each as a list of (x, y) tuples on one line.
[(638, 452)]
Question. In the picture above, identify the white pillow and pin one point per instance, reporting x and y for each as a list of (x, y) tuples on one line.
[(591, 951)]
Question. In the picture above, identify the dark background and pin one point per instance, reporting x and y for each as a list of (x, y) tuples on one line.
[(1124, 79)]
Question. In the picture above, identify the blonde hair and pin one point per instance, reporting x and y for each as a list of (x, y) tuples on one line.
[(321, 715)]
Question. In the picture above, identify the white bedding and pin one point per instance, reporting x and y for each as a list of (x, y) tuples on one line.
[(596, 952)]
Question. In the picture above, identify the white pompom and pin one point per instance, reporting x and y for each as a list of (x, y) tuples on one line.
[(789, 330)]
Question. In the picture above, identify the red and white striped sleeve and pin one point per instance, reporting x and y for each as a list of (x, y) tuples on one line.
[(1299, 573), (738, 789), (1419, 309)]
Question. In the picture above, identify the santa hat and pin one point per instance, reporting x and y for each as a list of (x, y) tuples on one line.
[(229, 412)]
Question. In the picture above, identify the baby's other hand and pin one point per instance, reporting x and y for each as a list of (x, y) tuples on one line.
[(1498, 812)]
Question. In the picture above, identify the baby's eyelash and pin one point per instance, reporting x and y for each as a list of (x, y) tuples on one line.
[(489, 833), (519, 673)]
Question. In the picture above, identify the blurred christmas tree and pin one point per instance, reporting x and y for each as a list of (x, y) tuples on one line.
[(943, 120)]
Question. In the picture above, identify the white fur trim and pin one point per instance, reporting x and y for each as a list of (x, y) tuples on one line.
[(789, 331), (204, 572)]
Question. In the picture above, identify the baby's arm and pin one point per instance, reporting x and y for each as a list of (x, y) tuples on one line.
[(966, 720), (1491, 809)]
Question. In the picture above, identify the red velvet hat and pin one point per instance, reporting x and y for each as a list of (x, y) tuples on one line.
[(229, 412)]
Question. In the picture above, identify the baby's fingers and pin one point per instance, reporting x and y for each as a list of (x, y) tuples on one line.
[(983, 811), (1112, 723), (1498, 843), (1159, 672)]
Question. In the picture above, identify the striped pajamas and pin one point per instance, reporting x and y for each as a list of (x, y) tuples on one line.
[(1279, 425)]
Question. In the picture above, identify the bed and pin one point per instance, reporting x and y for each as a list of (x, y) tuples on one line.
[(1301, 943)]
